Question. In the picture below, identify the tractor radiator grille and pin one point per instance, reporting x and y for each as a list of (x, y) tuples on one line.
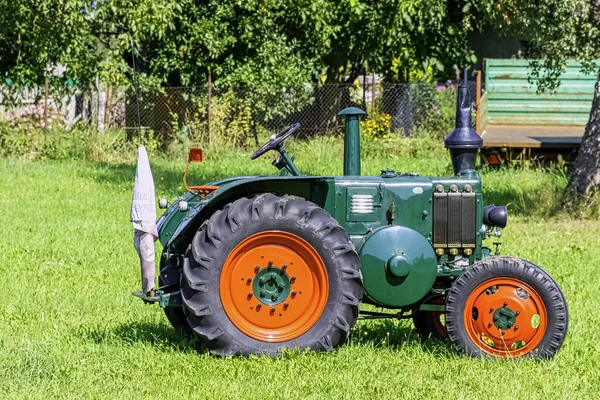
[(454, 219)]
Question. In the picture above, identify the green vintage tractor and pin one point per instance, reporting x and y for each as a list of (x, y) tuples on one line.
[(256, 264)]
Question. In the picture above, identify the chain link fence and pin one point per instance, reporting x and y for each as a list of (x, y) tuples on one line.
[(237, 115)]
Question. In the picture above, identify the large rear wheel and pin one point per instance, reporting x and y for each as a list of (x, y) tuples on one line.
[(268, 273), (506, 307)]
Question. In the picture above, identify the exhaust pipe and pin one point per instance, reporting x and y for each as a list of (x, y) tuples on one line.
[(463, 142), (352, 140)]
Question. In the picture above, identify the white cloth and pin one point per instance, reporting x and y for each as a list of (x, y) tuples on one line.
[(143, 203), (143, 219), (144, 245)]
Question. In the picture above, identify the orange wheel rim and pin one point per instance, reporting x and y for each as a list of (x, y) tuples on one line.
[(505, 317), (274, 286)]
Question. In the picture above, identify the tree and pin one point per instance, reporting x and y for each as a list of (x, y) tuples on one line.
[(394, 36), (89, 39), (558, 30)]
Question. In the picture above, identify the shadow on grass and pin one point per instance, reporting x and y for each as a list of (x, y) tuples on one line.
[(396, 335), (161, 337), (383, 335)]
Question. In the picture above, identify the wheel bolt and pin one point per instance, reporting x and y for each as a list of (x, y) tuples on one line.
[(286, 305), (274, 297), (270, 263), (501, 333), (293, 279), (516, 327), (490, 324), (258, 306), (293, 293), (491, 309), (256, 269), (517, 312), (284, 267), (505, 304), (272, 310), (249, 280), (249, 295)]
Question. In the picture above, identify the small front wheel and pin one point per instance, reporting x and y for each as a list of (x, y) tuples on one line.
[(506, 307)]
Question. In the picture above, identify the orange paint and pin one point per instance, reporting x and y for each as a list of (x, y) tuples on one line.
[(482, 331), (307, 298)]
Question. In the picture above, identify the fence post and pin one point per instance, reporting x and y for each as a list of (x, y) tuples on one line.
[(364, 91), (373, 96), (477, 103), (107, 115), (46, 104), (208, 107)]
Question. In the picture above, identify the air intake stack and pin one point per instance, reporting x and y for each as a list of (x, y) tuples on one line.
[(352, 140), (463, 142)]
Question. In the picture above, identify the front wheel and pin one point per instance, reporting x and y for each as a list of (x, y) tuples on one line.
[(506, 307), (268, 273)]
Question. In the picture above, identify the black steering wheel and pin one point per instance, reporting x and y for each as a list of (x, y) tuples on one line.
[(274, 142)]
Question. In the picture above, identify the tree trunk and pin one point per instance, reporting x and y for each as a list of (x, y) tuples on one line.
[(585, 177)]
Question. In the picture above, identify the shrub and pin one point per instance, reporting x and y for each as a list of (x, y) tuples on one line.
[(79, 143), (438, 111), (377, 127)]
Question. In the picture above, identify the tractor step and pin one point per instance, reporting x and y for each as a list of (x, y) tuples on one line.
[(164, 299)]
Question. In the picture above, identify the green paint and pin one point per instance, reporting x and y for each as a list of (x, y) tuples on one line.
[(432, 307), (511, 100), (352, 140), (289, 162), (396, 245), (271, 285), (398, 266), (504, 318)]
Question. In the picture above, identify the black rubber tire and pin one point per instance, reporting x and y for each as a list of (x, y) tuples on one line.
[(175, 315), (218, 236), (512, 267), (427, 326)]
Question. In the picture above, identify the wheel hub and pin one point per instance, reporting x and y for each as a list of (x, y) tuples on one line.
[(504, 318), (271, 285)]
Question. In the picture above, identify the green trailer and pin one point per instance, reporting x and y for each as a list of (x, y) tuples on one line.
[(258, 264), (513, 118)]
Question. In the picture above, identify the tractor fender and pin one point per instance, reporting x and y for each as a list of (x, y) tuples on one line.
[(230, 190)]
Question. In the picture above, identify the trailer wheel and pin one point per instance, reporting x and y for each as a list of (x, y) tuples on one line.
[(432, 324), (506, 307), (268, 273)]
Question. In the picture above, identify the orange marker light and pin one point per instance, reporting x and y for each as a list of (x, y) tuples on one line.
[(196, 155)]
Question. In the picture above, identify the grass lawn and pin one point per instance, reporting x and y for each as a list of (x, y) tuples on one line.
[(69, 327)]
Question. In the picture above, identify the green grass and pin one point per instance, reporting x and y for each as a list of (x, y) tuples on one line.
[(69, 327)]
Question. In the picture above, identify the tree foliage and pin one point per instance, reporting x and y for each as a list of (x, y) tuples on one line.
[(270, 43)]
